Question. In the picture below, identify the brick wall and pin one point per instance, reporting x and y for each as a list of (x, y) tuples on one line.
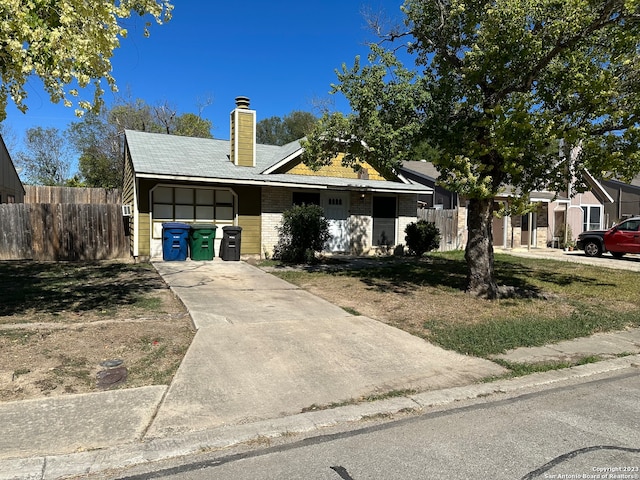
[(360, 224), (274, 202), (407, 213)]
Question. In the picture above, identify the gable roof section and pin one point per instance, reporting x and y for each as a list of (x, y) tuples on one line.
[(288, 153), (598, 188), (173, 157)]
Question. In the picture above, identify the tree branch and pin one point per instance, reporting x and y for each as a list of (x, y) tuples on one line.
[(561, 45)]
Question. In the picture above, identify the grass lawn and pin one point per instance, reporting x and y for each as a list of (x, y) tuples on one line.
[(426, 298)]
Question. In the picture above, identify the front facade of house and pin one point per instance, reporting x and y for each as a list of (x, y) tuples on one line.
[(545, 227), (11, 189), (238, 182)]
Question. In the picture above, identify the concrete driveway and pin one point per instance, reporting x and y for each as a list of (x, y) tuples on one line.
[(267, 349), (628, 262)]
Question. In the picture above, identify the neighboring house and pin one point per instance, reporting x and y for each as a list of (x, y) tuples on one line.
[(11, 189), (424, 173), (545, 227), (238, 182), (626, 200)]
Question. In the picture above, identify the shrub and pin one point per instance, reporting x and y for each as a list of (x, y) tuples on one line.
[(422, 236), (303, 232)]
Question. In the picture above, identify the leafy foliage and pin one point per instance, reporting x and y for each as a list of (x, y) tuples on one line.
[(499, 86), (100, 161), (422, 237), (280, 131), (65, 43), (98, 141), (303, 232), (45, 160)]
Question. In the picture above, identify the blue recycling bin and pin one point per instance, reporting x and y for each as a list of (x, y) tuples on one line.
[(175, 241)]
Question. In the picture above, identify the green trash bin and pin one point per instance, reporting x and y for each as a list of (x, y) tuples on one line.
[(201, 241)]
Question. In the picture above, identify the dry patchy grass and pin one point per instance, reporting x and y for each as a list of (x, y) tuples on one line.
[(426, 298), (60, 321)]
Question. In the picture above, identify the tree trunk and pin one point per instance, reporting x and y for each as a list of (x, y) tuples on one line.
[(479, 252)]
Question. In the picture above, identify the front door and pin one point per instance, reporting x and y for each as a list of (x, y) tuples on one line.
[(497, 228), (336, 210)]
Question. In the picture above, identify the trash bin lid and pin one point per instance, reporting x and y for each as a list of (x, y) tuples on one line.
[(175, 225), (203, 226), (231, 228)]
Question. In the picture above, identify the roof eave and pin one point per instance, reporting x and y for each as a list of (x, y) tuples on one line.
[(280, 183)]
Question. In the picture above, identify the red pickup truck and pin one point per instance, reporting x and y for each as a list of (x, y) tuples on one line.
[(618, 240)]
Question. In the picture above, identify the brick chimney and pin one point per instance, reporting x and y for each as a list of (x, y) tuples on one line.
[(243, 134)]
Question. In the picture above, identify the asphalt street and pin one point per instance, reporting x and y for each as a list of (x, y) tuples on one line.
[(580, 429)]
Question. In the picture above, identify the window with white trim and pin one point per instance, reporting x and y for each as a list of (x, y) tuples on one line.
[(591, 217)]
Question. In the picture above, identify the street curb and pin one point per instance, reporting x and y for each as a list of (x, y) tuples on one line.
[(152, 450)]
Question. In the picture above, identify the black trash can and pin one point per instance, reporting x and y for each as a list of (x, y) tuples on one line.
[(230, 246)]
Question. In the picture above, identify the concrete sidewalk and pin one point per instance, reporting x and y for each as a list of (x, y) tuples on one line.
[(267, 358)]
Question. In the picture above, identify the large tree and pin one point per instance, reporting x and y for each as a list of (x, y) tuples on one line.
[(280, 131), (98, 137), (68, 44), (100, 157), (498, 86), (46, 158)]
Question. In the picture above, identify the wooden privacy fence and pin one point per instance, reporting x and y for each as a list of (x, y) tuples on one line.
[(63, 231), (43, 194), (451, 234)]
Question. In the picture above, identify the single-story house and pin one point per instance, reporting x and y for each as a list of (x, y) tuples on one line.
[(545, 227), (425, 173), (239, 182), (11, 189)]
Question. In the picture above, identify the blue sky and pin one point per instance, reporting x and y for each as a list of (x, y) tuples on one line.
[(282, 55)]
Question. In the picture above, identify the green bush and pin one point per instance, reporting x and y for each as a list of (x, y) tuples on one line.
[(422, 237), (303, 232)]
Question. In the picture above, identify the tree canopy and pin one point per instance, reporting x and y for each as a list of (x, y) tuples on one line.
[(280, 131), (98, 140), (498, 85), (68, 44), (46, 158)]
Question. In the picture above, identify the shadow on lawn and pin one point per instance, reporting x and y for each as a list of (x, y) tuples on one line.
[(402, 275), (46, 287)]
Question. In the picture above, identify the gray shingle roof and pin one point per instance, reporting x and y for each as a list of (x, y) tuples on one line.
[(423, 168), (176, 156)]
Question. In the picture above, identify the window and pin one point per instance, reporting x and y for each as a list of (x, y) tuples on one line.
[(306, 198), (629, 226), (191, 205), (592, 215), (11, 199)]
